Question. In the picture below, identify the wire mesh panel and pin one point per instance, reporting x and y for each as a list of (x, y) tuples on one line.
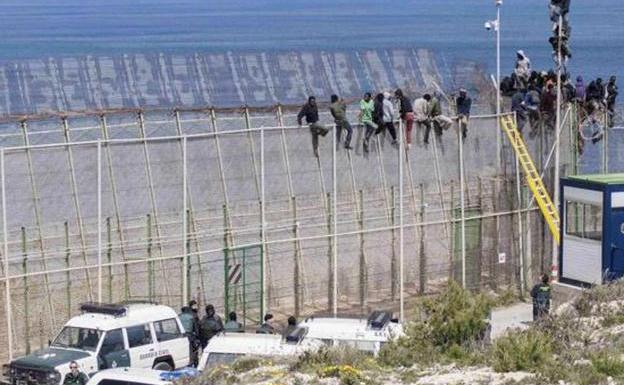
[(167, 202)]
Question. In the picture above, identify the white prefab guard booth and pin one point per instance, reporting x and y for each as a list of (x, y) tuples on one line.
[(592, 232)]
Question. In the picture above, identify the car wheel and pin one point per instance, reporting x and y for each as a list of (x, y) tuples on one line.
[(163, 366)]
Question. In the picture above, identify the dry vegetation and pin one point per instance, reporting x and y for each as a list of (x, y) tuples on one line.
[(581, 344)]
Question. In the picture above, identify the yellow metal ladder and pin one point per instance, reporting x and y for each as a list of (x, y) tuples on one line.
[(546, 205)]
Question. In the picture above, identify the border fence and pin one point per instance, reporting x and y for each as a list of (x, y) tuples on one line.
[(149, 205)]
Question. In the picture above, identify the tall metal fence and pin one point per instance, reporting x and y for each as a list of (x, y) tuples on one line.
[(145, 205)]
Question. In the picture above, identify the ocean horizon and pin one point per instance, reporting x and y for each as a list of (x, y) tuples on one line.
[(452, 29)]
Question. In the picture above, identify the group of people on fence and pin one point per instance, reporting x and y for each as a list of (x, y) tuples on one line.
[(199, 331), (379, 114), (534, 96)]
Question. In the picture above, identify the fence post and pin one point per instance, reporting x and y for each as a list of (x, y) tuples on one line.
[(494, 258), (68, 265), (393, 261), (330, 264), (481, 227), (150, 267), (25, 280), (423, 258), (5, 251), (99, 219), (297, 270), (452, 232), (109, 258), (363, 267), (185, 248), (187, 240)]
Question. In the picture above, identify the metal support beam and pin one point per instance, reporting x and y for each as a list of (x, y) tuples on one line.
[(263, 303), (38, 222), (99, 220), (185, 250), (112, 179), (401, 154), (154, 206), (79, 221), (5, 251), (462, 203), (335, 226)]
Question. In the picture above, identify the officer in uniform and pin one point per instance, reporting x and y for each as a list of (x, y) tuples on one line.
[(541, 297), (191, 328), (232, 325), (75, 376), (292, 325), (267, 327), (209, 326)]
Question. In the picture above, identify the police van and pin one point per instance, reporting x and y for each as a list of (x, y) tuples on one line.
[(225, 348), (365, 334), (139, 335)]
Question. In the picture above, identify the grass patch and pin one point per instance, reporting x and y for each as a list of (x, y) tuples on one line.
[(608, 363)]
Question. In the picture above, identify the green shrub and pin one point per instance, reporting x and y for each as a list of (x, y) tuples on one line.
[(457, 316), (451, 328), (608, 363), (526, 350), (416, 347)]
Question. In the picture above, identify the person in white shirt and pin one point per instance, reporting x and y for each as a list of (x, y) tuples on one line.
[(389, 116), (421, 115)]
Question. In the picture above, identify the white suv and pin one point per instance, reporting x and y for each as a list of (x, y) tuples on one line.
[(138, 335)]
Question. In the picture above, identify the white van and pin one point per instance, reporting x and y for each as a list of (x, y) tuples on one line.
[(138, 335), (223, 349), (366, 334)]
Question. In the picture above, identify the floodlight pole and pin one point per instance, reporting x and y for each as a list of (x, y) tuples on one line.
[(555, 246)]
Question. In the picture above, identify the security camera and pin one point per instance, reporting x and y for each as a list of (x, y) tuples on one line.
[(489, 25)]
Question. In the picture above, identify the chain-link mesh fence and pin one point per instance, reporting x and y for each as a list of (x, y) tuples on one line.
[(62, 250)]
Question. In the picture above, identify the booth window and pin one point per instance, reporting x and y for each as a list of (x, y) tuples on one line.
[(584, 220)]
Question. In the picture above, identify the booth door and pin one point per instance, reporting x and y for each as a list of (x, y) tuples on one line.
[(617, 242)]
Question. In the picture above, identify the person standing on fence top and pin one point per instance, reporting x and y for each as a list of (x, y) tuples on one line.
[(310, 112), (522, 71), (367, 108), (210, 325), (338, 109), (406, 112), (612, 93), (388, 118), (421, 114), (464, 104)]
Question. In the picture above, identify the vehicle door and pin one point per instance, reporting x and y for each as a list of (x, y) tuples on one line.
[(113, 352), (142, 347), (172, 341)]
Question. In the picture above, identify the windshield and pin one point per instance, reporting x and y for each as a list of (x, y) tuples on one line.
[(218, 359), (78, 338)]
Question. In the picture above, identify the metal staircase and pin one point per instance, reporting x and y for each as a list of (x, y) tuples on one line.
[(545, 203)]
